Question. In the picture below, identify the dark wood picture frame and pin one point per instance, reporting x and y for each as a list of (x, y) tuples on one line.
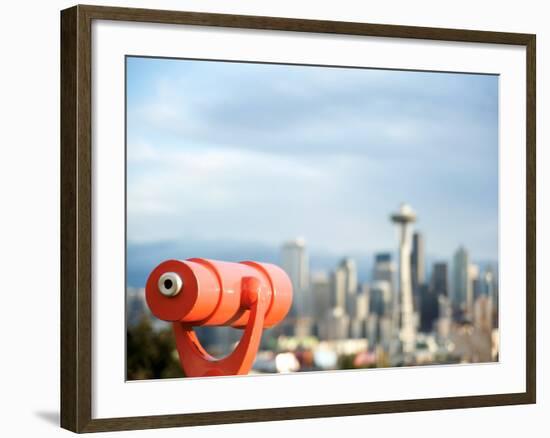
[(76, 218)]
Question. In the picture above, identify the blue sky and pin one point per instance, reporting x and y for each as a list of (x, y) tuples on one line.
[(255, 153)]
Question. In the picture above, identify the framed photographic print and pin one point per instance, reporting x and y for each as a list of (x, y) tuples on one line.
[(269, 218)]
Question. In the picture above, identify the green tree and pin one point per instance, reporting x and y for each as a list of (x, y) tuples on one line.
[(151, 354)]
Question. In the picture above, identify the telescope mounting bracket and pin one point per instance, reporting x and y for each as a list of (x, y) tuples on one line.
[(195, 360)]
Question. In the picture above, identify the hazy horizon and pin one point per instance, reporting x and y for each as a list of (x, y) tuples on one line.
[(143, 257)]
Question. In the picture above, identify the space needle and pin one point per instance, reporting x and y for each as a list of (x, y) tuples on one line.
[(403, 218)]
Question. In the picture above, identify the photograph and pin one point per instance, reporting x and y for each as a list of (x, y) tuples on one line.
[(332, 217)]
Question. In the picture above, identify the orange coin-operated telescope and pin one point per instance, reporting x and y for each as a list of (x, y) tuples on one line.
[(200, 292)]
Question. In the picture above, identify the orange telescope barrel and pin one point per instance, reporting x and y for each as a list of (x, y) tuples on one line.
[(204, 292)]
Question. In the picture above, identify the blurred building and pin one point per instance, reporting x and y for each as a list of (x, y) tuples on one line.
[(418, 273), (380, 326), (440, 279), (344, 303), (488, 281), (475, 286), (362, 302), (349, 267), (338, 289), (371, 330), (386, 332), (384, 270), (489, 286), (445, 318), (295, 263), (462, 294), (335, 326), (483, 312), (380, 298), (345, 285), (358, 319), (321, 294), (429, 308), (470, 344), (430, 301), (357, 328), (491, 278)]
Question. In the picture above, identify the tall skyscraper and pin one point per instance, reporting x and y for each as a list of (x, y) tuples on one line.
[(380, 298), (358, 319), (489, 286), (349, 268), (475, 281), (338, 289), (417, 265), (431, 297), (444, 320), (403, 218), (462, 296), (320, 291), (362, 308), (335, 326), (440, 280), (384, 269), (344, 283), (295, 263), (429, 308), (488, 283), (371, 331)]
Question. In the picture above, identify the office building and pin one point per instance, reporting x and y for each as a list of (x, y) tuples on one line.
[(347, 284), (384, 269), (440, 280), (320, 293), (358, 319), (338, 289), (429, 308), (295, 263), (335, 326), (380, 298), (418, 274), (462, 296)]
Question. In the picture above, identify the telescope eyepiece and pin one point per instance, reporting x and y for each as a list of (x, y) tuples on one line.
[(170, 284)]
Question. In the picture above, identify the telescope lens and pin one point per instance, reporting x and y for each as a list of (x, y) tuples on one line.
[(170, 284)]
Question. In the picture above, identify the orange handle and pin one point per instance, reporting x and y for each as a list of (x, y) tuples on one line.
[(195, 360)]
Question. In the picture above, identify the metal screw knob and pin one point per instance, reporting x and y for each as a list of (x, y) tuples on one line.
[(170, 284)]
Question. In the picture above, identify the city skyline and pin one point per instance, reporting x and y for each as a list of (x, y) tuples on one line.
[(324, 174), (143, 256), (403, 316)]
